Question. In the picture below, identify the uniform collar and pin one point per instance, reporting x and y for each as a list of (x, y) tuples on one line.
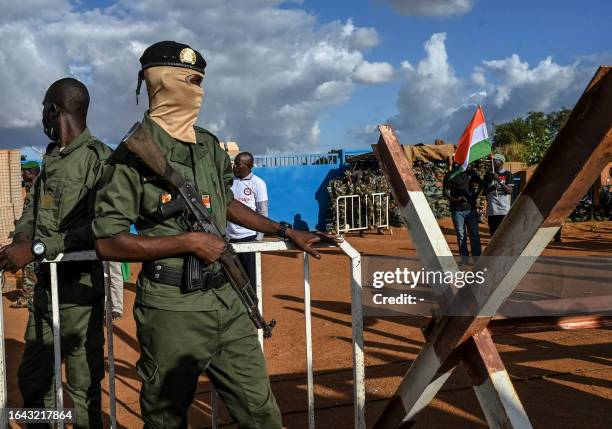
[(83, 138), (179, 151), (249, 177)]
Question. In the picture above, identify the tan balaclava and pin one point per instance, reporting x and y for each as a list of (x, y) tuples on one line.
[(174, 102)]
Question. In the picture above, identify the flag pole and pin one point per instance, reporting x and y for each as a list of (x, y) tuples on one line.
[(493, 171), (491, 146)]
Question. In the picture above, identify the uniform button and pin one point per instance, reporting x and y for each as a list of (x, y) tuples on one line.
[(158, 267), (156, 275)]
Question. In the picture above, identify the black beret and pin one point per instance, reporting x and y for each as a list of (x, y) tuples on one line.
[(173, 54), (169, 53)]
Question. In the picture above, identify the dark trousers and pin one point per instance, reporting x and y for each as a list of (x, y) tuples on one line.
[(82, 344), (494, 222), (247, 259), (178, 346), (462, 220)]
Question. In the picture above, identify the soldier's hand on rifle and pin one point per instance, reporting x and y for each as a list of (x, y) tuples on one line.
[(15, 256), (207, 247)]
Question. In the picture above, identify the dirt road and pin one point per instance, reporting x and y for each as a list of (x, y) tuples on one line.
[(563, 378)]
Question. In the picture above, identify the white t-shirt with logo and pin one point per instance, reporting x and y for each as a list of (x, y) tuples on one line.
[(249, 191)]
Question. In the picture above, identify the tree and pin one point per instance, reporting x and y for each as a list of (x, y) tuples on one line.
[(527, 138)]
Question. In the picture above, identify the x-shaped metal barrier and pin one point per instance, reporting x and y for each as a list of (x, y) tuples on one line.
[(577, 156)]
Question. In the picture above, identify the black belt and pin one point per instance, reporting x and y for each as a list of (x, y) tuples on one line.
[(171, 276)]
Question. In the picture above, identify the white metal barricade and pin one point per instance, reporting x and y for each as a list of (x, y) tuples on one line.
[(357, 324), (3, 392), (257, 247), (353, 214), (352, 220), (379, 203), (59, 404)]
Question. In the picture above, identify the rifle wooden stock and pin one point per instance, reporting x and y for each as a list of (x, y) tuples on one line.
[(140, 142)]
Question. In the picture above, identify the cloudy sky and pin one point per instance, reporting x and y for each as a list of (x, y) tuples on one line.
[(307, 75)]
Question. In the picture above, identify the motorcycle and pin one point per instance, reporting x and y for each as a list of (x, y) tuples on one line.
[(583, 211), (604, 211)]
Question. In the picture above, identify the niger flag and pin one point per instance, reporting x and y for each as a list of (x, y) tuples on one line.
[(474, 143)]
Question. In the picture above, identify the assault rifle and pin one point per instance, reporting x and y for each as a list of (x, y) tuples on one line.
[(189, 203)]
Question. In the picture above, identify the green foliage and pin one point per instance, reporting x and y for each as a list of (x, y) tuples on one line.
[(535, 147), (528, 138)]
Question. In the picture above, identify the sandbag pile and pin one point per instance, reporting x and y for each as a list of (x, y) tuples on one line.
[(430, 175), (362, 183)]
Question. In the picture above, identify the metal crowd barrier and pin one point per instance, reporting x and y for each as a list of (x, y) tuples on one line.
[(3, 392), (258, 248), (59, 400), (380, 211), (356, 219), (296, 160), (353, 219)]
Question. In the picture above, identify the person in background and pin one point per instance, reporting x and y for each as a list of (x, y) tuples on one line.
[(498, 187), (29, 173), (462, 189), (251, 191)]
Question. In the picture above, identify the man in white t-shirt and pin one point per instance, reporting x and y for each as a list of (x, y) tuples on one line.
[(251, 191)]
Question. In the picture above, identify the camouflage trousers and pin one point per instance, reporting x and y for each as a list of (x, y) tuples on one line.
[(27, 288)]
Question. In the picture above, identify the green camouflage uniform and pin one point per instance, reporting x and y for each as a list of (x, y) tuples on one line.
[(59, 213), (183, 335), (29, 272)]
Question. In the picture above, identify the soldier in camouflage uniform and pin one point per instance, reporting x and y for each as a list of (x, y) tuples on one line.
[(58, 219), (183, 334), (29, 173)]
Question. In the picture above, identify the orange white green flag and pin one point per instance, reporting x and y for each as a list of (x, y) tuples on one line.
[(474, 143)]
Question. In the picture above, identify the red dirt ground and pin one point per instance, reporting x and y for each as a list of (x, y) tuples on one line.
[(564, 379)]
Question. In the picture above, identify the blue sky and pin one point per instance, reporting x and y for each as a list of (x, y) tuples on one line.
[(566, 30), (303, 82)]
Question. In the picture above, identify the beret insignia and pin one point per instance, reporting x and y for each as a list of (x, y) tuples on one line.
[(188, 56)]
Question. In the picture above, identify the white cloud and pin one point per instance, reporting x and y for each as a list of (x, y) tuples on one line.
[(365, 38), (270, 70), (430, 90), (518, 83), (366, 72), (431, 7), (434, 102), (479, 78), (20, 10), (406, 66), (368, 133)]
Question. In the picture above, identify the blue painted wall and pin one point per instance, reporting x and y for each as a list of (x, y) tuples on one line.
[(298, 194)]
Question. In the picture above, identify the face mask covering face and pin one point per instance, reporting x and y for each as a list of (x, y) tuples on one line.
[(174, 103)]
